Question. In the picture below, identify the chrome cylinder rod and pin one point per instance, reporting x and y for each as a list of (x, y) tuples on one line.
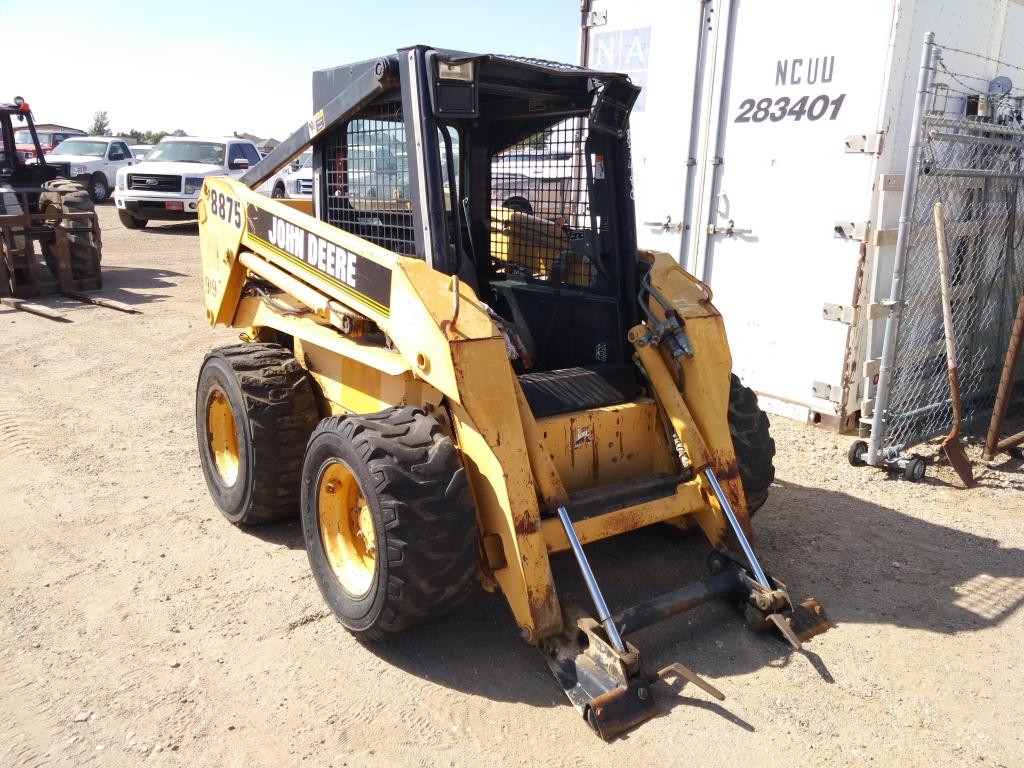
[(603, 614), (748, 551)]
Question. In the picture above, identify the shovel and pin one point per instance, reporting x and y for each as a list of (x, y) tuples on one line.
[(952, 446)]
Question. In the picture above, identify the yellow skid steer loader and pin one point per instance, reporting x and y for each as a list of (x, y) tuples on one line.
[(456, 364)]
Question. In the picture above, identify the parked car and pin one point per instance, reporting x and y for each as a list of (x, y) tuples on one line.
[(93, 161), (535, 183), (372, 172), (47, 140), (139, 152), (166, 184), (294, 181)]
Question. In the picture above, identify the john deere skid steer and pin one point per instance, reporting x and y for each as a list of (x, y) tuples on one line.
[(455, 364)]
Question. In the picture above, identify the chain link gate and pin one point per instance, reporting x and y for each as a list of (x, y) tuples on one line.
[(975, 169)]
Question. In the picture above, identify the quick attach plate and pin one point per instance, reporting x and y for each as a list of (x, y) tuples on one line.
[(609, 690)]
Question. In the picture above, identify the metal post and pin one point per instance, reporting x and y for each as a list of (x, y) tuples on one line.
[(928, 54), (603, 614), (723, 502), (691, 152), (1013, 350)]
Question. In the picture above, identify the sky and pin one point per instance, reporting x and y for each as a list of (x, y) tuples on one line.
[(213, 68)]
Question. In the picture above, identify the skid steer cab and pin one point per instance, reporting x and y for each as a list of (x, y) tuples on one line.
[(456, 365)]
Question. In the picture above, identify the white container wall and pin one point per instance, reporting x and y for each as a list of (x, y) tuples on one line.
[(769, 145)]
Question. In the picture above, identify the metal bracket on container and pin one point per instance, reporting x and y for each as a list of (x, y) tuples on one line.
[(729, 230), (886, 237), (596, 19), (852, 230), (891, 182), (839, 313), (864, 144), (825, 391)]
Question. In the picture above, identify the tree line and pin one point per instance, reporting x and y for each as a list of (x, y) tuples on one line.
[(101, 127)]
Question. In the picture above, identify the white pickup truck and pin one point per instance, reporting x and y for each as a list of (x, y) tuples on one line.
[(166, 184), (92, 161), (294, 181)]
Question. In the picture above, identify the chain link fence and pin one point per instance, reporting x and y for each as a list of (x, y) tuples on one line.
[(976, 174), (973, 164)]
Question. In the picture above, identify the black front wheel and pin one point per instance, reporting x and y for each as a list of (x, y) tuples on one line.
[(131, 222), (752, 442), (388, 520), (98, 188)]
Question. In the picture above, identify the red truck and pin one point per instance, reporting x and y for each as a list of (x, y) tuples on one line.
[(48, 139)]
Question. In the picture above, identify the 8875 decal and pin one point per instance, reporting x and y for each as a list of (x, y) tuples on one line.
[(782, 108), (226, 208)]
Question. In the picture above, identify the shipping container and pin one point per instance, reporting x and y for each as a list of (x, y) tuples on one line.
[(770, 143)]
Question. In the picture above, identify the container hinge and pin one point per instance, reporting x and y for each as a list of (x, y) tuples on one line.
[(870, 368), (825, 391), (839, 313), (596, 19), (852, 230), (864, 144)]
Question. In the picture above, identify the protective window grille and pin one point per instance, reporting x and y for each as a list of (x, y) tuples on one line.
[(368, 180), (540, 205), (975, 170)]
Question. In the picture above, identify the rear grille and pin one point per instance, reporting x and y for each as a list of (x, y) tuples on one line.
[(63, 169), (305, 186), (154, 183)]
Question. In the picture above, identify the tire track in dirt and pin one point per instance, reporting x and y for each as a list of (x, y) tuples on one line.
[(30, 733), (19, 436)]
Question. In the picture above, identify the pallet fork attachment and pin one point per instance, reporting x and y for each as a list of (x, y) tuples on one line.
[(601, 673)]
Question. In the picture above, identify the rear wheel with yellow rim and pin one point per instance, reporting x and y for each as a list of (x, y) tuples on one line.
[(255, 410), (388, 520)]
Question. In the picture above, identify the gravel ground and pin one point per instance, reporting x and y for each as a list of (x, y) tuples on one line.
[(139, 627)]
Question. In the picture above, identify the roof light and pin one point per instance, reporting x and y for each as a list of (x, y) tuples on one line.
[(447, 70)]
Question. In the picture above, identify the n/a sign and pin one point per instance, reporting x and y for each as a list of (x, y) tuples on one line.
[(626, 50)]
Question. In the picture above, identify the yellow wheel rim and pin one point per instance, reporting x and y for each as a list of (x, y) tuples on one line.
[(222, 436), (346, 529)]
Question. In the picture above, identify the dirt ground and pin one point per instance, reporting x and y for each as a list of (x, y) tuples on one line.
[(139, 627)]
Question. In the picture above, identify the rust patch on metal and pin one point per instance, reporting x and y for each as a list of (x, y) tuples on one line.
[(725, 470), (526, 524), (808, 619), (850, 373), (619, 710)]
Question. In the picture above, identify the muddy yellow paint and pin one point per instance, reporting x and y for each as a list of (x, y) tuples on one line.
[(607, 445)]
